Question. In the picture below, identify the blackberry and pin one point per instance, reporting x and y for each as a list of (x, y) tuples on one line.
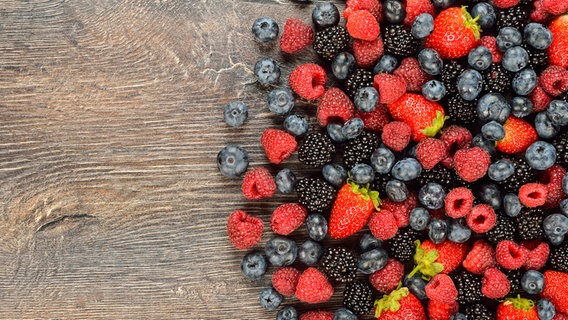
[(358, 297), (450, 73), (461, 111), (401, 246), (529, 224), (564, 96), (360, 78), (516, 17), (558, 258), (380, 183), (442, 175), (523, 175), (561, 144), (504, 229), (514, 277), (316, 150), (360, 149), (469, 287), (399, 41), (315, 194), (339, 264), (331, 41), (478, 311), (538, 59), (496, 79)]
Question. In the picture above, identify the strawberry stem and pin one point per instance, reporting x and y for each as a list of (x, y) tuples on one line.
[(437, 124), (390, 302), (366, 193), (470, 22), (425, 263), (520, 303)]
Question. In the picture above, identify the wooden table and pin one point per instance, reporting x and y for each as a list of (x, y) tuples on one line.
[(111, 205)]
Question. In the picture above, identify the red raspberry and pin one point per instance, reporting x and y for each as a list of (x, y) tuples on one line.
[(552, 180), (285, 280), (396, 135), (390, 87), (442, 289), (278, 145), (441, 311), (480, 258), (560, 316), (386, 279), (503, 4), (538, 254), (287, 218), (401, 210), (510, 255), (258, 184), (490, 43), (316, 315), (471, 164), (539, 13), (244, 230), (555, 7), (362, 25), (456, 138), (296, 36), (430, 151), (412, 73), (540, 99), (482, 218), (554, 80), (313, 287), (373, 6), (333, 105), (532, 194), (308, 81), (495, 284), (383, 224), (367, 53), (416, 7), (458, 202), (376, 119)]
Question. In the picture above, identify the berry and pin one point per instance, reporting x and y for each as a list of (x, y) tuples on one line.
[(552, 180), (524, 81), (486, 14), (425, 117), (458, 231), (545, 309), (450, 254), (523, 174), (406, 169), (286, 181), (517, 308), (399, 41), (532, 282), (339, 264), (501, 170), (334, 104), (438, 230), (367, 53), (244, 230), (430, 152), (317, 315), (394, 11), (386, 279), (407, 306), (396, 135), (360, 78), (496, 79), (387, 63), (383, 224), (390, 87), (529, 225), (508, 37), (285, 280), (280, 101), (558, 49), (455, 33), (503, 4), (232, 161), (308, 81), (278, 145), (287, 313), (382, 160), (532, 194), (557, 112), (471, 164), (366, 99), (281, 251), (358, 297), (253, 265), (360, 149), (296, 125), (416, 285), (316, 224), (504, 229), (331, 41), (313, 287), (368, 242), (430, 61), (413, 74), (555, 289), (519, 135), (516, 17), (441, 311), (538, 254), (495, 284), (461, 111), (441, 288), (265, 29), (287, 218), (270, 299), (352, 128), (343, 65), (316, 150), (480, 258), (344, 314), (401, 246), (515, 59), (478, 311), (267, 71), (362, 174), (296, 36), (510, 255), (315, 194), (419, 218), (537, 36), (375, 120), (372, 261), (432, 196), (434, 90), (469, 85), (558, 259), (555, 227), (469, 288), (422, 26), (235, 113), (310, 252), (325, 14), (554, 80), (450, 74), (351, 210)]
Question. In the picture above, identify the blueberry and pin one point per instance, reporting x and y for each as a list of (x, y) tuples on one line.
[(362, 173), (235, 113), (368, 242), (325, 14), (521, 107), (287, 313), (253, 265), (335, 174), (352, 128), (544, 127), (515, 59), (281, 251), (479, 141), (344, 314), (382, 160), (491, 195), (512, 205), (419, 218), (265, 29), (396, 190), (430, 61), (280, 101), (434, 90), (343, 65), (493, 106), (564, 207), (438, 230), (422, 26), (537, 36), (500, 170), (480, 58), (493, 131), (555, 227), (334, 132), (486, 14), (394, 11), (406, 169), (540, 155), (440, 5), (310, 252), (508, 37), (232, 161), (270, 299), (557, 112), (267, 71), (470, 83), (366, 99), (458, 231), (386, 64), (316, 226), (458, 316), (524, 81), (565, 183), (545, 309), (416, 285), (532, 282), (372, 261), (432, 196), (296, 125), (286, 181)]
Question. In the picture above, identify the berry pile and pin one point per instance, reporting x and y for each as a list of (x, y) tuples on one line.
[(438, 157)]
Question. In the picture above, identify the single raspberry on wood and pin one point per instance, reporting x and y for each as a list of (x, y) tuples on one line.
[(390, 87), (495, 284), (285, 280), (459, 202), (278, 145), (387, 279), (308, 81), (511, 255), (313, 287), (287, 218), (296, 36), (480, 258), (244, 230), (363, 25), (396, 135), (258, 184)]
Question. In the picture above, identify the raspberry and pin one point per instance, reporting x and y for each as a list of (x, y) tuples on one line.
[(554, 80), (555, 7), (296, 36), (441, 311), (373, 6), (442, 289), (313, 287), (552, 180), (504, 4), (386, 279), (482, 218), (278, 145), (367, 53), (456, 138), (287, 218), (480, 258), (376, 119), (258, 184), (333, 105), (244, 230), (362, 25), (308, 81), (416, 7), (490, 43), (401, 210), (539, 13), (471, 164), (510, 255), (495, 284), (532, 194), (538, 254), (390, 87), (285, 280), (412, 73), (430, 151), (458, 202), (396, 135), (383, 224), (540, 99), (316, 315)]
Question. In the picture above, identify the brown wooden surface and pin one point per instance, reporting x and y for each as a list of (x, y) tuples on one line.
[(111, 205)]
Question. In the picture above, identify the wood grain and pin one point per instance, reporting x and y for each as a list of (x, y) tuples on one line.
[(111, 206)]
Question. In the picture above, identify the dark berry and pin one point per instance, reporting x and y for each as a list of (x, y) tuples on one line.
[(358, 297), (315, 194), (316, 150), (339, 264)]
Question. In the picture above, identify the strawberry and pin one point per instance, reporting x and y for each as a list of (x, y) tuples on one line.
[(442, 311), (556, 289), (519, 135), (351, 210), (455, 33), (517, 309), (400, 304), (416, 7), (558, 49), (431, 258), (425, 117)]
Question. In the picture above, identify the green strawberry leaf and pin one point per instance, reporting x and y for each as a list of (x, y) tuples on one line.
[(437, 124), (390, 302)]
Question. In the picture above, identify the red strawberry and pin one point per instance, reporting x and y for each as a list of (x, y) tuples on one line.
[(495, 284), (333, 105), (390, 87), (510, 255), (430, 151), (519, 135), (351, 210), (287, 218), (455, 33), (558, 49), (296, 36), (313, 287), (367, 53), (383, 224), (258, 184), (556, 289), (442, 311), (480, 258), (471, 164), (431, 258), (396, 135), (517, 309), (400, 304), (386, 279), (316, 315), (362, 25), (285, 280), (278, 145), (244, 230), (416, 7), (376, 119), (308, 81), (442, 289), (425, 117)]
